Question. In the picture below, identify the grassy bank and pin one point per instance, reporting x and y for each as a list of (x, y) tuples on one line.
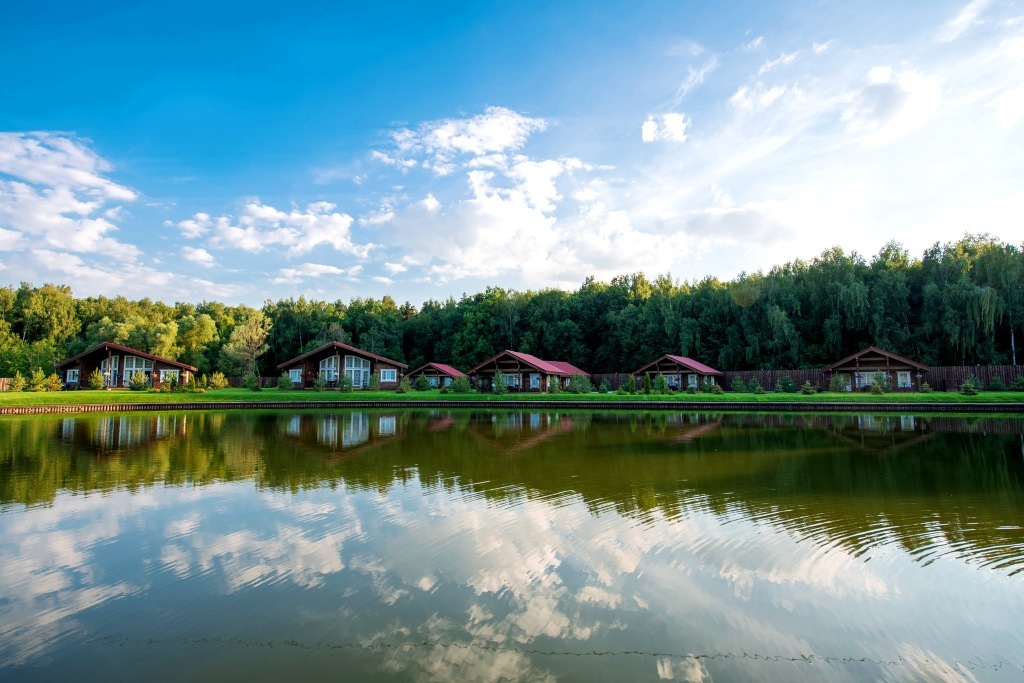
[(276, 395)]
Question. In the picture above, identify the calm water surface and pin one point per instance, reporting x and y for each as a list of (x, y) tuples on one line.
[(482, 546)]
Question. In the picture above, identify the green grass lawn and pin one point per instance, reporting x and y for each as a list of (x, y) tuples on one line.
[(273, 394)]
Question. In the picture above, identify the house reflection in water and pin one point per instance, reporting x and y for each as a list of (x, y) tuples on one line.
[(342, 430), (116, 433)]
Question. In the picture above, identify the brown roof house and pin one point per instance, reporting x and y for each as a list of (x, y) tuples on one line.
[(680, 372), (438, 374), (334, 360), (858, 370), (524, 372), (118, 363)]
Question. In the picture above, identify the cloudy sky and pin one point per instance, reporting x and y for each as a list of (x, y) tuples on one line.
[(241, 152)]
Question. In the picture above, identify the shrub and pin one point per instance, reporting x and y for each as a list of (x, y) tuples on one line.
[(717, 389), (251, 381), (319, 384), (971, 386), (691, 389), (218, 381), (374, 383), (605, 387), (837, 384), (403, 386), (460, 385), (707, 386), (630, 385), (1018, 383), (621, 391), (660, 385), (926, 388), (18, 382), (54, 382), (203, 382), (174, 383), (786, 385), (284, 382), (807, 389), (647, 383), (883, 381), (755, 386), (37, 382), (498, 385), (738, 386), (345, 384), (554, 385), (421, 383), (139, 382), (996, 384), (444, 390), (580, 384)]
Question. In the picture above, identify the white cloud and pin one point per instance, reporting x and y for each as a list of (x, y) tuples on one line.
[(892, 104), (200, 256), (756, 97), (821, 48), (1009, 106), (755, 44), (311, 270), (59, 161), (667, 127), (782, 60), (962, 22), (694, 78)]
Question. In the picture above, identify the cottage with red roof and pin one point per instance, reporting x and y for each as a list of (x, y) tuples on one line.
[(118, 363), (438, 374), (524, 372), (335, 360), (679, 371)]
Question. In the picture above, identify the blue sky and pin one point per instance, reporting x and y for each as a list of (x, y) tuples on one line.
[(241, 152)]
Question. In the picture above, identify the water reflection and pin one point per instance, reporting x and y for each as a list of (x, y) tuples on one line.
[(441, 545)]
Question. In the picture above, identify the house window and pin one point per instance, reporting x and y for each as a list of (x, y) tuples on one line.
[(73, 376), (108, 366), (691, 380), (133, 364), (903, 379), (447, 381), (166, 375), (535, 381), (432, 381), (389, 375), (329, 369), (295, 375), (358, 370), (512, 380), (672, 381)]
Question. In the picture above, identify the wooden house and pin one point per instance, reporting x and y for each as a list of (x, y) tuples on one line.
[(335, 360), (117, 364), (523, 372), (679, 372), (858, 370), (437, 374)]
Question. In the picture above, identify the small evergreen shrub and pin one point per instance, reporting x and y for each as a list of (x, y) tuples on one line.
[(18, 382), (580, 384), (755, 386), (971, 386), (738, 386), (37, 380), (251, 381), (555, 385), (53, 382), (203, 381), (647, 383), (139, 382), (284, 382), (319, 384), (605, 387), (808, 389), (345, 384), (691, 389), (444, 390), (786, 385), (1017, 384), (461, 385), (374, 383), (498, 385), (660, 385), (996, 384), (707, 386), (421, 383), (837, 384), (403, 386), (926, 388), (882, 381), (630, 385), (717, 389), (218, 381), (96, 380)]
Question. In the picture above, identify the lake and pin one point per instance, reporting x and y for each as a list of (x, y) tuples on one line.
[(474, 545)]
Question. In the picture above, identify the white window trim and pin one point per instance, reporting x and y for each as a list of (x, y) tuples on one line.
[(388, 375), (295, 375), (166, 373), (72, 376)]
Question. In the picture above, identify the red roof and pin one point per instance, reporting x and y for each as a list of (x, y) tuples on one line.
[(440, 367), (128, 350), (550, 367), (685, 362), (346, 347)]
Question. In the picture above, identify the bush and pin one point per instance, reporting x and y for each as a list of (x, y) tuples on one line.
[(717, 389), (605, 387), (707, 386), (345, 384), (786, 385), (647, 383), (883, 381), (139, 382), (284, 382), (54, 382), (554, 385), (1017, 384), (755, 386), (18, 382), (738, 386), (421, 383), (251, 381), (37, 382), (95, 380), (319, 384), (193, 386), (203, 382), (630, 385), (971, 386), (498, 385), (460, 385), (580, 384), (926, 388), (374, 383), (403, 386), (660, 385), (218, 381), (996, 384), (444, 390), (808, 389)]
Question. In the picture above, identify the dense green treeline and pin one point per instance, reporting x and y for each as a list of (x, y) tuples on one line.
[(960, 303)]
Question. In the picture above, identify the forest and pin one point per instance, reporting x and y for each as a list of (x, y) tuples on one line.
[(960, 303)]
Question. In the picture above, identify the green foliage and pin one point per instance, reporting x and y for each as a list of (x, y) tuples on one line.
[(421, 383), (630, 385), (444, 390), (691, 389), (18, 382), (37, 381), (139, 382), (837, 384), (218, 381), (660, 385), (374, 383), (717, 389), (755, 387), (192, 386), (882, 381), (1017, 384), (554, 385), (461, 385), (498, 385), (808, 389), (605, 387), (580, 384), (738, 386), (996, 384), (926, 388), (403, 386), (648, 387), (707, 386), (251, 381), (319, 384), (971, 386), (786, 385), (96, 379), (203, 381), (284, 382), (345, 384)]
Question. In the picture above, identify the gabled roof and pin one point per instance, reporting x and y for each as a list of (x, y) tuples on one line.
[(440, 367), (683, 361), (881, 352), (549, 367), (345, 347), (111, 346)]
